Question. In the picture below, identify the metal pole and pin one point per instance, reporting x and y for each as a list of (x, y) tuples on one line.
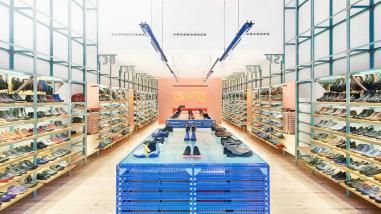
[(11, 34), (348, 83), (51, 39), (297, 78), (371, 34)]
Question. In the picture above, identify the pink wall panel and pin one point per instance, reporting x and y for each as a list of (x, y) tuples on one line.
[(289, 95), (191, 92)]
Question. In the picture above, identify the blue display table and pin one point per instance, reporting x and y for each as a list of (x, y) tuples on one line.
[(211, 184)]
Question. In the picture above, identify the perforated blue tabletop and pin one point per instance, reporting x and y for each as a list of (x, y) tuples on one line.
[(210, 147)]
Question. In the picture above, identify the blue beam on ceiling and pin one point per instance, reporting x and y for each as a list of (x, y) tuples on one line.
[(244, 29)]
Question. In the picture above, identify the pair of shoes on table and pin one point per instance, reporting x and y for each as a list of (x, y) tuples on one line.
[(189, 153), (191, 137), (235, 148)]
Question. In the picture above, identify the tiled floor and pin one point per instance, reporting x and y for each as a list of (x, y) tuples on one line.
[(91, 189)]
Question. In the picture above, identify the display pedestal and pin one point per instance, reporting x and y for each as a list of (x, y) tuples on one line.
[(213, 183)]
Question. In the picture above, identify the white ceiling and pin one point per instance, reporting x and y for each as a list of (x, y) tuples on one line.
[(190, 56)]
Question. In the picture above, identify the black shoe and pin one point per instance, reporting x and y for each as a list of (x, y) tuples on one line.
[(168, 128), (196, 152), (340, 176), (187, 152)]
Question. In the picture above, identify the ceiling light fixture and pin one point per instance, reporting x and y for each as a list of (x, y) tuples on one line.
[(148, 31), (244, 29)]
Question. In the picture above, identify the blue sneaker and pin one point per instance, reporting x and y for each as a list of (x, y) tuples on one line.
[(193, 137), (152, 150), (186, 138)]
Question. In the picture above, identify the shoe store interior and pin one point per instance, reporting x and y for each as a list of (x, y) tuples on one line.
[(190, 106)]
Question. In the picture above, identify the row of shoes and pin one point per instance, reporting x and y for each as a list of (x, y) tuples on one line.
[(358, 83), (18, 114), (16, 169), (329, 124), (363, 167), (104, 142), (114, 105), (14, 190), (370, 132), (363, 149), (277, 115), (335, 97), (26, 83), (52, 170), (53, 156), (330, 154), (265, 136), (144, 95), (23, 150), (323, 166), (13, 115), (17, 133), (340, 84), (365, 188), (366, 169), (365, 97), (365, 114), (235, 148), (268, 121), (268, 129), (11, 98), (117, 128), (44, 98), (235, 95)]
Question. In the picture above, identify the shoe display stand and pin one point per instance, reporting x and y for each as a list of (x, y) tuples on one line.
[(234, 100), (146, 105), (42, 127), (210, 183), (331, 106), (347, 140), (48, 127), (34, 131), (114, 116), (267, 114), (181, 121)]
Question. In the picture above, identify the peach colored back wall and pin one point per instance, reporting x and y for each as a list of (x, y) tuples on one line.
[(189, 93)]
